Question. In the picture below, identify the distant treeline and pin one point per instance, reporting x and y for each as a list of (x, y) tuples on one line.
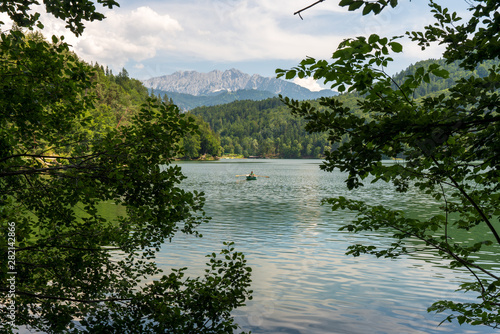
[(437, 84), (188, 102), (262, 128)]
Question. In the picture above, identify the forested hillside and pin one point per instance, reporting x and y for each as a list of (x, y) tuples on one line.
[(188, 101), (261, 128), (267, 129), (437, 84), (120, 97)]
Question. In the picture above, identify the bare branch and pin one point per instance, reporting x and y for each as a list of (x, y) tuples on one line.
[(303, 9)]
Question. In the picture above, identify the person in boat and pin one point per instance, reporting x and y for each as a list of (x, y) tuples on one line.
[(251, 174)]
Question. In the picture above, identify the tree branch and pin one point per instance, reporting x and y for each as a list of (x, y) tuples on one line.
[(87, 301), (471, 201), (446, 250), (303, 9), (41, 156), (40, 170)]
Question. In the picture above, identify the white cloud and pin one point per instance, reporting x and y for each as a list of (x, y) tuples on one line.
[(138, 34), (246, 30), (6, 20), (308, 83), (158, 32)]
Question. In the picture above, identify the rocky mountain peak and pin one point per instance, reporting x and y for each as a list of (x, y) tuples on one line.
[(232, 80)]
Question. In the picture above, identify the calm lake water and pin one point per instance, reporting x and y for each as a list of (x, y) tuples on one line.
[(302, 280)]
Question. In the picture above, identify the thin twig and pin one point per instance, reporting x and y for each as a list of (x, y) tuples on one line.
[(303, 9), (471, 201)]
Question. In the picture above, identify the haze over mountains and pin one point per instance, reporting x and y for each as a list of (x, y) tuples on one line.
[(190, 89)]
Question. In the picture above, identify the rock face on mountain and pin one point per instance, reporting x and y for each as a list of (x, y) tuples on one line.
[(215, 82)]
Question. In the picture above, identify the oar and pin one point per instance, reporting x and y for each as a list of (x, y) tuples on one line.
[(242, 175), (262, 176)]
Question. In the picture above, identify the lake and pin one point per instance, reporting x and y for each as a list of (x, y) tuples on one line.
[(302, 280)]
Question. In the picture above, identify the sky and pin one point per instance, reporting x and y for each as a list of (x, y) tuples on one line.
[(151, 38)]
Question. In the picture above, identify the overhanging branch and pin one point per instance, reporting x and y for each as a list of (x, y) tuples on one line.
[(303, 9), (86, 301)]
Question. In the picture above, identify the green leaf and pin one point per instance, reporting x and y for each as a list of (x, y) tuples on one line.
[(355, 5), (373, 38), (368, 8), (308, 61), (442, 73), (345, 2), (290, 74), (396, 47)]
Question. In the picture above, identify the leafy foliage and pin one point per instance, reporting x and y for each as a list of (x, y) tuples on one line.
[(368, 5), (73, 12), (72, 139), (437, 85), (450, 142)]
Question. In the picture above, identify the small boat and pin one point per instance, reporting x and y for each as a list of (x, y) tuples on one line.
[(251, 176)]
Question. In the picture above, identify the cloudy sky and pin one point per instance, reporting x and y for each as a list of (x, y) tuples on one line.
[(156, 37)]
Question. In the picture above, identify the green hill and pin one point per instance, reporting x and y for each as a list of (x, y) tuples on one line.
[(437, 84), (188, 101), (262, 128)]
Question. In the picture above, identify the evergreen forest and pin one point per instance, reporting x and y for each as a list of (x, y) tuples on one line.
[(247, 128), (119, 98), (261, 129)]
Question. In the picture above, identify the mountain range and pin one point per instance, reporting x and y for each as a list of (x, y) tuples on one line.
[(190, 89)]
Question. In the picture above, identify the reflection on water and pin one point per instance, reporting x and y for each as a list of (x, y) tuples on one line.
[(302, 281)]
